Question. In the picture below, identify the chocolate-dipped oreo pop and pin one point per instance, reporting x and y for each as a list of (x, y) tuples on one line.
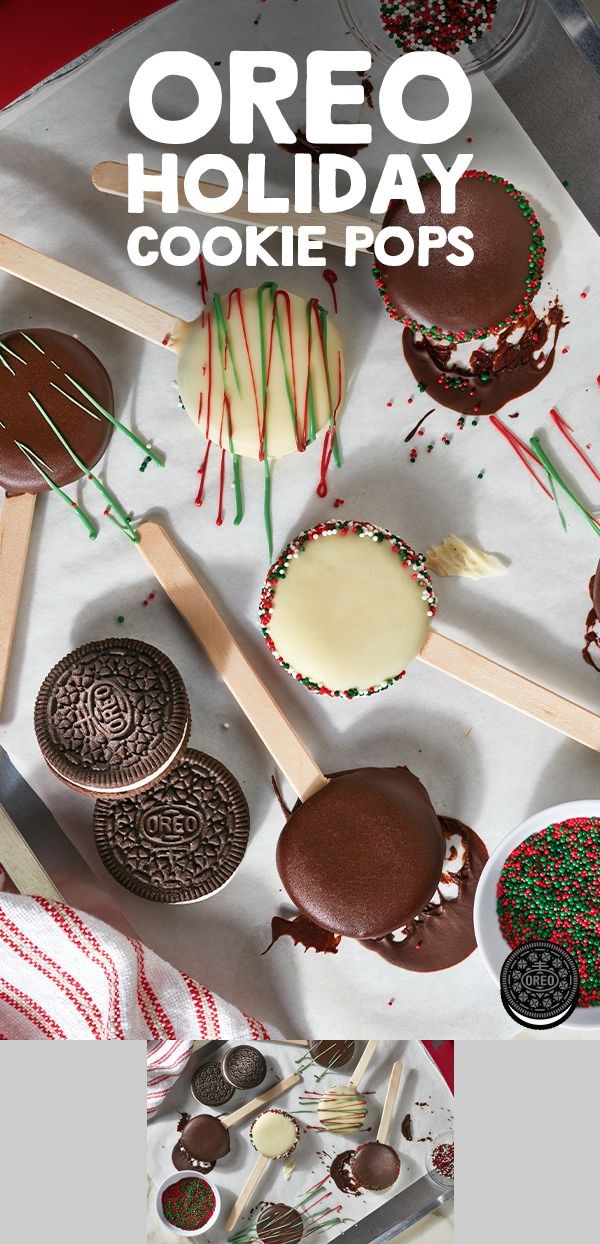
[(37, 363), (375, 1166), (459, 303), (279, 1224), (364, 854), (331, 1053), (203, 1137)]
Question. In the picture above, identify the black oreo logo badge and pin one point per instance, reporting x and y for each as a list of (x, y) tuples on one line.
[(105, 710), (170, 825), (539, 985)]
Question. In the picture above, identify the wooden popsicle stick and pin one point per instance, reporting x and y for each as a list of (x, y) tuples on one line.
[(22, 865), (388, 1105), (510, 688), (85, 291), (285, 1041), (192, 602), (15, 530), (244, 1112), (110, 177), (255, 1175), (363, 1062)]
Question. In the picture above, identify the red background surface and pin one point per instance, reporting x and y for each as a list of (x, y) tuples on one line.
[(442, 1053), (40, 36)]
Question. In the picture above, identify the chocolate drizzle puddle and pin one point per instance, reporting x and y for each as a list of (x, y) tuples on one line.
[(407, 1128), (342, 1175), (443, 934), (439, 938), (592, 625), (315, 150), (513, 367), (304, 933)]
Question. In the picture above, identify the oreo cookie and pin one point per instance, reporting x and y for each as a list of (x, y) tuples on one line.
[(539, 984), (210, 1087), (112, 718), (180, 841), (244, 1067)]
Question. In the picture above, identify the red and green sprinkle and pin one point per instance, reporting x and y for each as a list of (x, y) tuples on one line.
[(532, 281), (549, 889), (189, 1204), (414, 562), (444, 25), (442, 1159)]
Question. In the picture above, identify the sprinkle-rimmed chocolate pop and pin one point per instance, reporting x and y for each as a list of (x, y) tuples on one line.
[(376, 1165), (56, 421), (205, 1138), (274, 1134)]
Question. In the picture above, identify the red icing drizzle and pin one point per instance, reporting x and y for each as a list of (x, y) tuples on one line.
[(202, 473), (203, 279), (329, 438), (237, 294), (331, 277)]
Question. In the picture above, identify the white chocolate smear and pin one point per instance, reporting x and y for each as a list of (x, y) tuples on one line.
[(455, 557)]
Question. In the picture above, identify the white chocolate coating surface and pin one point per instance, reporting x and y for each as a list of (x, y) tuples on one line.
[(274, 1134), (342, 1109), (348, 613), (223, 363)]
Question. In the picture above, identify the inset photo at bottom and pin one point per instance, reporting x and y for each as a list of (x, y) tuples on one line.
[(274, 1142)]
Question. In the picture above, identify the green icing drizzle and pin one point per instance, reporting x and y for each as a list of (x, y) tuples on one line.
[(111, 418), (35, 462), (223, 339), (554, 475), (125, 524)]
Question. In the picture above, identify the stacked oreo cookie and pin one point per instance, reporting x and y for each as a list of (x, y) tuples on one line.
[(113, 720)]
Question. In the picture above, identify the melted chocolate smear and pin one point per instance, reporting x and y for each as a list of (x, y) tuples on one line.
[(183, 1162), (513, 368), (342, 1175), (304, 933), (315, 150), (281, 801), (418, 425), (369, 88), (592, 625), (443, 935), (407, 1128)]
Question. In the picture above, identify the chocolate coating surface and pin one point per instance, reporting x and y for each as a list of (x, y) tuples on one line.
[(596, 593), (279, 1224), (376, 1166), (183, 1162), (331, 1053), (364, 854), (88, 436), (481, 294), (205, 1137)]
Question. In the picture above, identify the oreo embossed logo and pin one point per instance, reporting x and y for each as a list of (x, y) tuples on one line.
[(106, 710), (539, 984), (170, 825)]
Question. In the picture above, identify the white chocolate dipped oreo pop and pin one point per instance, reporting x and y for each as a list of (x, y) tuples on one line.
[(346, 607), (261, 372)]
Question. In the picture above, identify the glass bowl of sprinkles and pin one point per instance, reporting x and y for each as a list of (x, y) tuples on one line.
[(188, 1203), (439, 1159), (543, 882), (479, 33)]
